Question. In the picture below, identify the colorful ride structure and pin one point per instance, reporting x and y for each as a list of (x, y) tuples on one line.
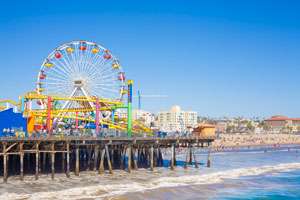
[(6, 104), (81, 85)]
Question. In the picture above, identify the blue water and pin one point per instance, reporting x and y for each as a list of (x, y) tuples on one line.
[(274, 185), (285, 185), (250, 174)]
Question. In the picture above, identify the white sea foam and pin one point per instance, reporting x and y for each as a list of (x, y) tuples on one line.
[(108, 190), (252, 151)]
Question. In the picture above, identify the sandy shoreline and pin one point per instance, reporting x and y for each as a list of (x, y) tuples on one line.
[(254, 140)]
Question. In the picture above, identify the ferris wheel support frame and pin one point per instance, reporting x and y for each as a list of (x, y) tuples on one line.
[(72, 95)]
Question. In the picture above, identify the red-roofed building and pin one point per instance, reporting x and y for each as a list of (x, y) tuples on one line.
[(279, 122)]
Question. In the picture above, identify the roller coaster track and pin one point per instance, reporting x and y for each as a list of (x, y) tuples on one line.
[(5, 101), (78, 99), (69, 110), (121, 125), (12, 102), (106, 105)]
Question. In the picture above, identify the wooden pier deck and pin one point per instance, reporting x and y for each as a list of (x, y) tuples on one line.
[(33, 156)]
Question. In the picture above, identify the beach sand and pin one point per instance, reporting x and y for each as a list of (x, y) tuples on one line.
[(240, 140)]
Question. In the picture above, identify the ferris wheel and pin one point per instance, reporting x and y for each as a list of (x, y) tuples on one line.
[(81, 68)]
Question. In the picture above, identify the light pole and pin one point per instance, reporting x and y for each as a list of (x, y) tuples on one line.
[(129, 108)]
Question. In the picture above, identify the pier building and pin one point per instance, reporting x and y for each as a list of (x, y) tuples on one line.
[(279, 122), (204, 130)]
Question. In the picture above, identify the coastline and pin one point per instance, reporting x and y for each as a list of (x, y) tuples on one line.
[(229, 170), (230, 141)]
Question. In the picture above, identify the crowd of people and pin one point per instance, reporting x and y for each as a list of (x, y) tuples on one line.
[(240, 140)]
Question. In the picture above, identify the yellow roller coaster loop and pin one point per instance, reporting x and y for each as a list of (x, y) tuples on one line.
[(12, 102), (34, 96), (60, 111), (138, 125)]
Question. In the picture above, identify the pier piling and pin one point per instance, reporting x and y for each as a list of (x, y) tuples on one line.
[(135, 158), (186, 159), (63, 160), (129, 158), (52, 160), (21, 161), (96, 151), (172, 156), (4, 163), (101, 166), (108, 160), (151, 158), (190, 154), (195, 159), (37, 161), (68, 160), (44, 161), (77, 162), (37, 156), (208, 164)]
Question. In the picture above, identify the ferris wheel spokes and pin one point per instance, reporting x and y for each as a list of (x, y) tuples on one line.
[(80, 69)]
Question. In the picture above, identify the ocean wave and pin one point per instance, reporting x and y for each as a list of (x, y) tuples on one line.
[(251, 151), (110, 190)]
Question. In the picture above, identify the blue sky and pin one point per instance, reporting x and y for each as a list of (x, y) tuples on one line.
[(233, 58)]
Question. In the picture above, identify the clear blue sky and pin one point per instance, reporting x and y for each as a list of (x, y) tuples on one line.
[(233, 58)]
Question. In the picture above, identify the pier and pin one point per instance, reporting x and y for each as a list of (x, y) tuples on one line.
[(72, 155)]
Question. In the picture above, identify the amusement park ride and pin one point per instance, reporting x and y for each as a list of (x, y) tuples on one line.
[(80, 83)]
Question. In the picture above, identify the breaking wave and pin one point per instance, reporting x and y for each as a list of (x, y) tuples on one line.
[(109, 190)]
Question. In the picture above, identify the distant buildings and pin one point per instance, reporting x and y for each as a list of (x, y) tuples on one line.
[(280, 123), (177, 120), (146, 117), (121, 114), (221, 126)]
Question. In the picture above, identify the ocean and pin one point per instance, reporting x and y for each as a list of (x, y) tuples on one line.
[(258, 173)]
